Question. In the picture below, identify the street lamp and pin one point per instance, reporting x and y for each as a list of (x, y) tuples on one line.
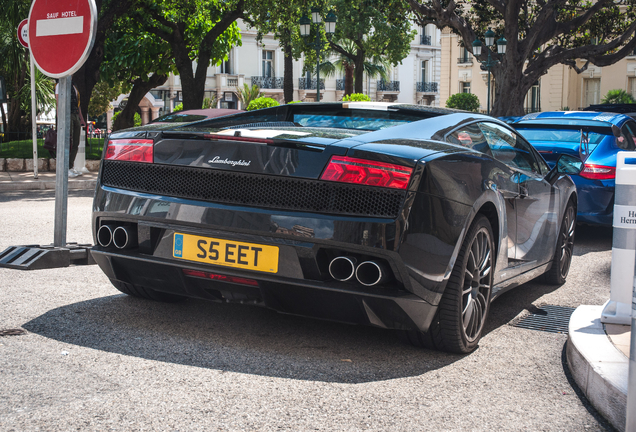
[(305, 30), (489, 36)]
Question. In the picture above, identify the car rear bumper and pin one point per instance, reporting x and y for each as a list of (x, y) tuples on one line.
[(348, 303), (595, 201)]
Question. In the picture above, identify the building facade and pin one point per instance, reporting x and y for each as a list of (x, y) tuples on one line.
[(416, 80)]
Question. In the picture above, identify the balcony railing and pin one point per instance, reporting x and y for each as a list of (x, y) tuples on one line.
[(232, 82), (391, 86), (340, 84), (268, 82), (303, 84), (425, 40), (427, 87), (465, 60)]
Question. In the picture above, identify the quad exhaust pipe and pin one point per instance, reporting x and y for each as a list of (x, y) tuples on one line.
[(368, 273), (122, 237)]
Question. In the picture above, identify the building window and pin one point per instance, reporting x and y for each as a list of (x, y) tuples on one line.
[(424, 71), (226, 65), (631, 87), (268, 64), (533, 99), (464, 87), (465, 58), (591, 91)]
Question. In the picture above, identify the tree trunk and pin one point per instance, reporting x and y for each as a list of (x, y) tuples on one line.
[(511, 88), (288, 73), (348, 67), (126, 118), (14, 106), (358, 72)]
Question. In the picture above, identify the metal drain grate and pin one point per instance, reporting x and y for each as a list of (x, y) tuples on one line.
[(548, 318)]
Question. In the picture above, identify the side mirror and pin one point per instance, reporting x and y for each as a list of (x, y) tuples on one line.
[(566, 164)]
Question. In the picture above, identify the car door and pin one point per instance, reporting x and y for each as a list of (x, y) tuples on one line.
[(537, 203), (471, 136)]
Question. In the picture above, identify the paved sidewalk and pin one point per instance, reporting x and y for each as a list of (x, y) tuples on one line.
[(14, 181), (598, 358)]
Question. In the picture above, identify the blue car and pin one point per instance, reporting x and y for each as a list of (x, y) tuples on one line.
[(596, 137)]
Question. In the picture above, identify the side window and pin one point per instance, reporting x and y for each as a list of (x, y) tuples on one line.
[(507, 148), (629, 132), (470, 136)]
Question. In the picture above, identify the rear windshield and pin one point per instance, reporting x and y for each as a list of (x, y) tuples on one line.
[(179, 118), (559, 135), (348, 119)]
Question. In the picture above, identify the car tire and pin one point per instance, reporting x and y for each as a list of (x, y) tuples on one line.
[(459, 322), (564, 249), (145, 292)]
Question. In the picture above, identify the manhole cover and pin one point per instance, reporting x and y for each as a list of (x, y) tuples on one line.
[(12, 332), (548, 318)]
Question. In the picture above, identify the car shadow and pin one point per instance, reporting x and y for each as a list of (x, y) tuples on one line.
[(237, 338), (590, 238)]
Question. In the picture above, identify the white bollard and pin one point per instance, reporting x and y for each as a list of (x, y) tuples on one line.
[(80, 159), (618, 309)]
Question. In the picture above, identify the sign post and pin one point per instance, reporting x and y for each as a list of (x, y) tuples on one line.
[(23, 38), (60, 35)]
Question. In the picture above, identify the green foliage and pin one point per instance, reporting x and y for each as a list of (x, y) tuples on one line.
[(247, 94), (292, 102), (137, 118), (44, 94), (103, 94), (260, 103), (356, 97), (209, 102), (463, 101), (178, 107), (618, 96), (23, 149)]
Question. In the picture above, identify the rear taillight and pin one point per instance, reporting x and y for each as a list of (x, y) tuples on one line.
[(365, 172), (598, 172), (133, 150), (219, 277)]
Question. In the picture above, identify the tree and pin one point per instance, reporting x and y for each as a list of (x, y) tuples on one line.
[(103, 94), (618, 97), (375, 29), (247, 94), (201, 31), (376, 66), (137, 59), (540, 35), (463, 101)]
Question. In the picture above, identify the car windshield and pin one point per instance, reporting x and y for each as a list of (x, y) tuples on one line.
[(559, 135)]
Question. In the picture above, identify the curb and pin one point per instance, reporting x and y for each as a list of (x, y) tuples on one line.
[(598, 367)]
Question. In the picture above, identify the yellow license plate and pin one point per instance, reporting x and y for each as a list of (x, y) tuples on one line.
[(227, 253)]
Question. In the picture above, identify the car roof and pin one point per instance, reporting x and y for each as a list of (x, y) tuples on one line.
[(560, 116)]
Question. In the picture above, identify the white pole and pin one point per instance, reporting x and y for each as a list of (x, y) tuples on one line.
[(34, 125)]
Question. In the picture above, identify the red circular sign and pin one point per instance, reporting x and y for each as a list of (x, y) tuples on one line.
[(61, 34), (23, 33)]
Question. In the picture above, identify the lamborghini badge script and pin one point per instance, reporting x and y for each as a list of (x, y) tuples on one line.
[(218, 160)]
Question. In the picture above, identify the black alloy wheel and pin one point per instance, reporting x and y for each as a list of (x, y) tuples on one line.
[(459, 322), (565, 248)]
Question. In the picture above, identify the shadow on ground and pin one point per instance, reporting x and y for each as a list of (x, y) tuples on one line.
[(237, 338)]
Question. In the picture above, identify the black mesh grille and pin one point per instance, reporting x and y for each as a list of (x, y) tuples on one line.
[(283, 193)]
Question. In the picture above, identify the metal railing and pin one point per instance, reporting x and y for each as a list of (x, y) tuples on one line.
[(393, 86), (340, 84), (465, 60), (268, 82), (425, 40), (311, 85), (427, 87)]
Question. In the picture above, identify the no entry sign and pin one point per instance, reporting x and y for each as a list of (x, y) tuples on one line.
[(23, 33), (61, 34)]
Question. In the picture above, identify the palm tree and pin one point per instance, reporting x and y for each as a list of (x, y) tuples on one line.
[(373, 66), (247, 94), (618, 97)]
